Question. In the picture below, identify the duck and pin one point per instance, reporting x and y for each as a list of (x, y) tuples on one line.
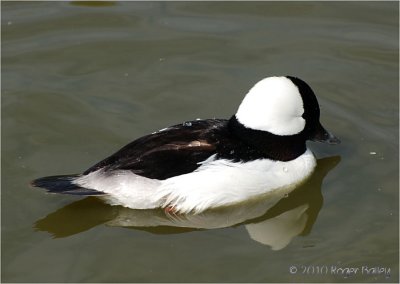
[(203, 164)]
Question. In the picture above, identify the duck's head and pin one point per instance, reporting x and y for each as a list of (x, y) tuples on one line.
[(284, 106)]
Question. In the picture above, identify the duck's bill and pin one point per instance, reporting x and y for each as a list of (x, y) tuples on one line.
[(324, 136)]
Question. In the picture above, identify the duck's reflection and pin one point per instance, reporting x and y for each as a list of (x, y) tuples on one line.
[(273, 220)]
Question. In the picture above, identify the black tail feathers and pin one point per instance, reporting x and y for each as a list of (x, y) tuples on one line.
[(63, 185)]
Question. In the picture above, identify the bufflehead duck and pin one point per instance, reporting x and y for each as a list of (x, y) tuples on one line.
[(204, 164)]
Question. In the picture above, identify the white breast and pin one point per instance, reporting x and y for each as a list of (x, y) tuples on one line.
[(215, 183), (222, 182)]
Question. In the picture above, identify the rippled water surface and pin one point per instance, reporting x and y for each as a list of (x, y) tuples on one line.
[(80, 80)]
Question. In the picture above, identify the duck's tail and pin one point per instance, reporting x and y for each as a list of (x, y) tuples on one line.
[(64, 185)]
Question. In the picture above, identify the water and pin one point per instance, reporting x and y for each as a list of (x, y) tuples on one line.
[(80, 80)]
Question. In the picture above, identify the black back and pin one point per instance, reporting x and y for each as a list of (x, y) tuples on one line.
[(174, 151)]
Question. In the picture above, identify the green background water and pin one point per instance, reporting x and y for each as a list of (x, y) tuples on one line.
[(80, 80)]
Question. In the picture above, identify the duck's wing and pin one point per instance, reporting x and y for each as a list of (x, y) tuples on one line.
[(172, 151)]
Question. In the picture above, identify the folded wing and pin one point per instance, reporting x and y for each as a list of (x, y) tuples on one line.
[(169, 152)]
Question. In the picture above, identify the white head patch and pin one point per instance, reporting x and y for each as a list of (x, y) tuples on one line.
[(275, 105)]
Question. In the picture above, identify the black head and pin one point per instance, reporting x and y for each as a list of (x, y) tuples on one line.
[(278, 116), (313, 129)]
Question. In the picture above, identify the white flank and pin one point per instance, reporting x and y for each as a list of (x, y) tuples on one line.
[(123, 188), (215, 183), (275, 105)]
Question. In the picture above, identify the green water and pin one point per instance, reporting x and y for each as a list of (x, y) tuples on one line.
[(81, 80)]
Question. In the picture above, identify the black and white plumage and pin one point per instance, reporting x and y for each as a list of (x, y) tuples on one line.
[(209, 163)]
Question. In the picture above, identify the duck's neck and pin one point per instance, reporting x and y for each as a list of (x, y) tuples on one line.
[(274, 147)]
